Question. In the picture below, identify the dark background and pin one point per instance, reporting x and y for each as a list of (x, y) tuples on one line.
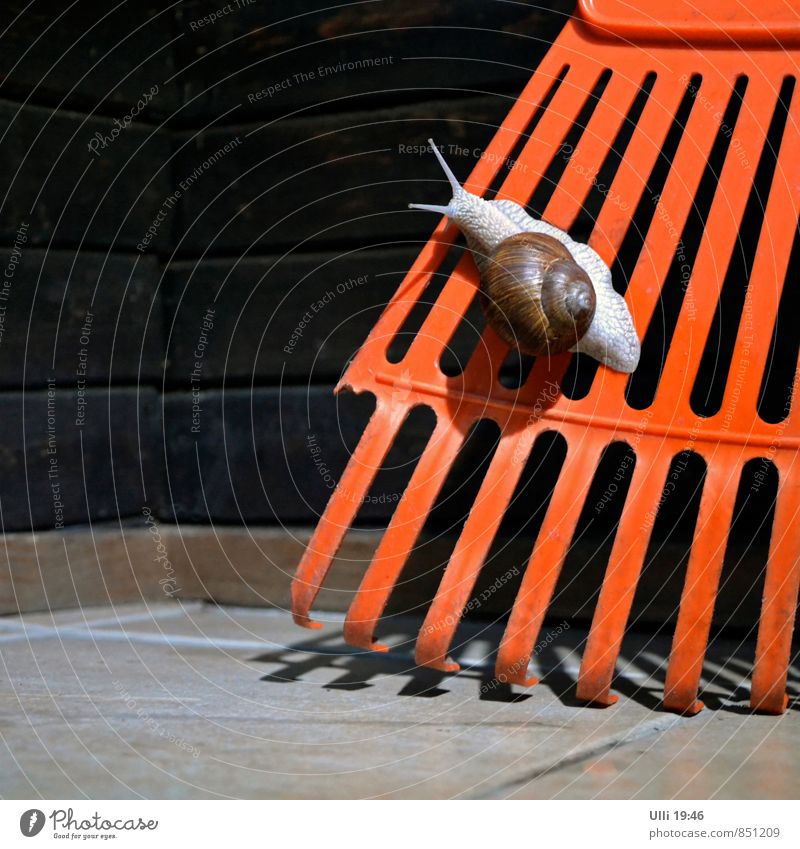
[(266, 182), (312, 192)]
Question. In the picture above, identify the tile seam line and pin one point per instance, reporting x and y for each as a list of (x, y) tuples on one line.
[(16, 626), (177, 640), (651, 729)]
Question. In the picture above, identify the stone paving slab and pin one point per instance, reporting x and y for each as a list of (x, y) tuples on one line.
[(193, 700), (100, 616), (715, 756)]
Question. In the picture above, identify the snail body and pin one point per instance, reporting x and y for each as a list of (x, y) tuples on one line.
[(541, 291)]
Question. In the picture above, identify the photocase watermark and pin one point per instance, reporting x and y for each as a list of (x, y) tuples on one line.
[(161, 217), (736, 143), (567, 151), (184, 186), (32, 822), (546, 397), (318, 306), (316, 453), (14, 259), (81, 371), (169, 582), (570, 154), (152, 723), (66, 825), (212, 17), (369, 498), (101, 141), (206, 326), (543, 643), (318, 73)]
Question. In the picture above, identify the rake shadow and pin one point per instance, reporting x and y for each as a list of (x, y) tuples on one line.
[(640, 671)]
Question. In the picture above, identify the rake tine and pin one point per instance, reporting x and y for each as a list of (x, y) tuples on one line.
[(342, 508), (662, 240), (629, 182), (568, 79), (719, 241), (622, 575), (399, 538), (467, 558), (447, 313), (544, 144), (596, 140), (544, 566), (543, 387), (701, 585), (519, 117), (483, 368), (774, 644), (674, 205), (768, 276)]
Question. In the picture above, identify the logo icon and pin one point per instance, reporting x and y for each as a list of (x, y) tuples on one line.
[(31, 822)]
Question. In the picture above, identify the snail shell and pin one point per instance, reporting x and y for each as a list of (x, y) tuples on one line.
[(610, 337), (534, 294)]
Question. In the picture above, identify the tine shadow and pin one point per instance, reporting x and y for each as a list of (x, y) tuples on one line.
[(311, 654), (425, 684), (640, 676), (725, 683), (492, 690), (327, 651), (558, 665)]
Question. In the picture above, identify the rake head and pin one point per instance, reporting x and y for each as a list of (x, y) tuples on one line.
[(710, 99)]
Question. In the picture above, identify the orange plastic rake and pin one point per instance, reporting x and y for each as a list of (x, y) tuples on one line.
[(698, 62)]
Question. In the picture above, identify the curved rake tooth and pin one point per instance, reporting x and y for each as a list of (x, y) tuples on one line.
[(619, 583), (774, 644), (701, 585), (544, 566), (341, 510), (399, 538), (469, 554)]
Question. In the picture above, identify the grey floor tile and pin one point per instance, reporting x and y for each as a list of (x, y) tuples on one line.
[(715, 755), (105, 615), (228, 702)]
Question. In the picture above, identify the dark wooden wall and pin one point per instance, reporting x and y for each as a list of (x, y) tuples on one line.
[(158, 162)]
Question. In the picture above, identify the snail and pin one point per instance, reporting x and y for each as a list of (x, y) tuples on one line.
[(541, 291)]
